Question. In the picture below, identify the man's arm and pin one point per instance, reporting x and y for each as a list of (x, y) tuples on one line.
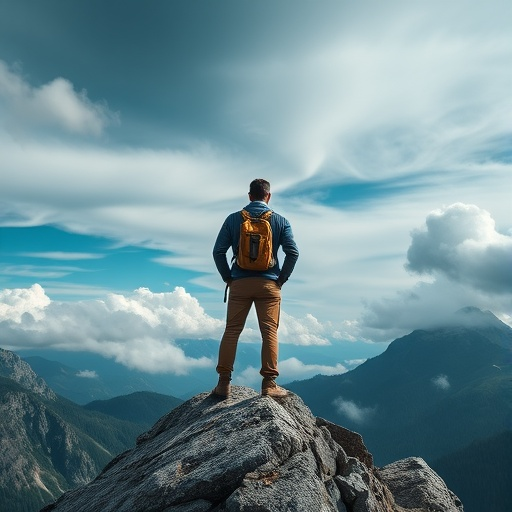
[(291, 252), (222, 244)]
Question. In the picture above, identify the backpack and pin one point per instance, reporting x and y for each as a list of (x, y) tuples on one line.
[(255, 246)]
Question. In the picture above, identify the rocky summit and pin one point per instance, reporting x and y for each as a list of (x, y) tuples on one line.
[(254, 453)]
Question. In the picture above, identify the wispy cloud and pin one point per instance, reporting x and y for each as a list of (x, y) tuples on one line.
[(61, 255), (410, 106), (441, 382), (38, 271), (87, 374), (354, 412)]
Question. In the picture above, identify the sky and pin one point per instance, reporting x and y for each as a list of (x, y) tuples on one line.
[(129, 130)]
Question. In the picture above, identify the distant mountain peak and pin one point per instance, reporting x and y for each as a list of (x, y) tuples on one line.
[(486, 324), (475, 314), (13, 367)]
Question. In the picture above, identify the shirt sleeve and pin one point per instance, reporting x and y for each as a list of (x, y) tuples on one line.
[(290, 250), (222, 244)]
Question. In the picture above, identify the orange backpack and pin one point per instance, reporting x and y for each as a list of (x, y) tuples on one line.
[(255, 246)]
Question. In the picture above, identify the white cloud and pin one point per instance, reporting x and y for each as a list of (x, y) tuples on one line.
[(303, 331), (16, 303), (289, 370), (354, 362), (461, 242), (352, 411), (87, 374), (136, 330), (55, 104), (293, 369), (441, 382)]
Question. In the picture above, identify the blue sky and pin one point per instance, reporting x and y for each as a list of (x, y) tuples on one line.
[(129, 130)]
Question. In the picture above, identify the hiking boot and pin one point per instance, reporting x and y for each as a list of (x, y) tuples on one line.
[(270, 388), (223, 387)]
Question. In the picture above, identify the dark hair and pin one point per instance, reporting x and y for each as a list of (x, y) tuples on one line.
[(259, 189)]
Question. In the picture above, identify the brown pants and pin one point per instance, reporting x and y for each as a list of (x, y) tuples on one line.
[(266, 296)]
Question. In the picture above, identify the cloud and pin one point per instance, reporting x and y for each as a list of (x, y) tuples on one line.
[(15, 304), (61, 255), (55, 104), (461, 242), (289, 370), (354, 362), (352, 411), (39, 271), (87, 374), (408, 108), (136, 329), (441, 382), (435, 106), (303, 331), (293, 369), (466, 262)]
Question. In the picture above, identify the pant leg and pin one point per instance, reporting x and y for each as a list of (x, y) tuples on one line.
[(268, 308), (239, 305)]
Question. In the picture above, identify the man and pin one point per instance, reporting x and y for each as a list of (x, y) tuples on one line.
[(263, 288)]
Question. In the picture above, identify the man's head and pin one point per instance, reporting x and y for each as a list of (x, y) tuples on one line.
[(259, 190)]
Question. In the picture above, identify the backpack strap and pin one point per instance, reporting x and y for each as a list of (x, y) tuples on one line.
[(263, 215)]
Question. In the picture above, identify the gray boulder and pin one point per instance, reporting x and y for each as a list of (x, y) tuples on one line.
[(247, 453), (415, 485)]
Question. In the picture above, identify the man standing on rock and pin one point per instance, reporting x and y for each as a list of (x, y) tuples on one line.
[(247, 285)]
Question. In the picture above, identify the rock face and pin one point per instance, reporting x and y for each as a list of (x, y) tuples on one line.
[(255, 454), (13, 367), (48, 444)]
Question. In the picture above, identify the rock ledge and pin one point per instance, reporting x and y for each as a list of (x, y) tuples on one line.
[(255, 454)]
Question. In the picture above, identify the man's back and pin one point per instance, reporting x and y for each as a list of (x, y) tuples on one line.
[(282, 236)]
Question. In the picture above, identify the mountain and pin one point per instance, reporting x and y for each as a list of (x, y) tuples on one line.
[(253, 453), (483, 465), (84, 377), (49, 444), (142, 407), (12, 367), (430, 394)]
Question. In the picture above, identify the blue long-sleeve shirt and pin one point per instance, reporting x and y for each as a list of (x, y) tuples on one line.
[(229, 236)]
